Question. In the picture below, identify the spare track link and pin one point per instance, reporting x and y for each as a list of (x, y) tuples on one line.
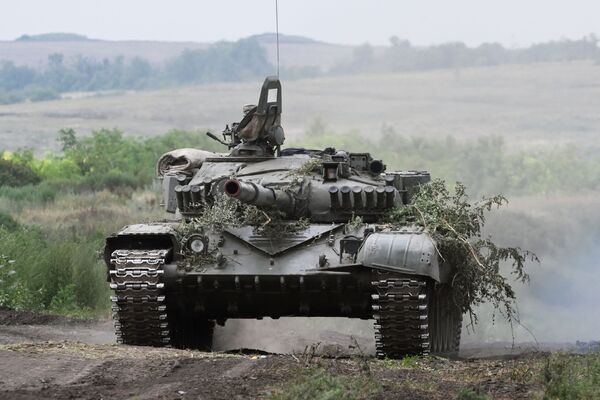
[(400, 312), (138, 305)]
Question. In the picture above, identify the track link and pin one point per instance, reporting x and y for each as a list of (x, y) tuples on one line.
[(401, 316), (138, 305)]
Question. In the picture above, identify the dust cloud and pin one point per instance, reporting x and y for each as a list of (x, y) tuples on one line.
[(332, 336)]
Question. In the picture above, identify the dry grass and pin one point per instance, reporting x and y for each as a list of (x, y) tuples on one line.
[(528, 104), (109, 351), (88, 213)]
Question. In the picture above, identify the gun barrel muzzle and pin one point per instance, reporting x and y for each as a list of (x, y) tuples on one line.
[(250, 192)]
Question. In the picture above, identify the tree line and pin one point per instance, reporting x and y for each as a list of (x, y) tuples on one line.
[(401, 55), (224, 61), (247, 59)]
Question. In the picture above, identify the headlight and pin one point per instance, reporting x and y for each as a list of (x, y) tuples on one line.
[(196, 243)]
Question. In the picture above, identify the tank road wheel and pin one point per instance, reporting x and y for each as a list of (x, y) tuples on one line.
[(192, 333), (445, 321), (138, 303), (412, 317)]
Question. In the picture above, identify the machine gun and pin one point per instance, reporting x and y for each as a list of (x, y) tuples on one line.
[(259, 132)]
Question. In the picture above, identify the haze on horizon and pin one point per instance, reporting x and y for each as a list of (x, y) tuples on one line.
[(513, 23)]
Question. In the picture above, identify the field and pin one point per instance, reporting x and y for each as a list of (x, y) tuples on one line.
[(528, 131), (531, 106)]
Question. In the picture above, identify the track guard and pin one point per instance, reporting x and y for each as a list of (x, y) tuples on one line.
[(409, 252)]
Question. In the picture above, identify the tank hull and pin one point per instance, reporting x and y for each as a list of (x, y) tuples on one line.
[(390, 278), (258, 296)]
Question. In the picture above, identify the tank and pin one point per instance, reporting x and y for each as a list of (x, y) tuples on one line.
[(261, 231)]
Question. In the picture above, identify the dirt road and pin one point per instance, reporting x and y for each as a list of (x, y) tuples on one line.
[(59, 358)]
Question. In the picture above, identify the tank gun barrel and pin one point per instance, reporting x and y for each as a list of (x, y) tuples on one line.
[(258, 195)]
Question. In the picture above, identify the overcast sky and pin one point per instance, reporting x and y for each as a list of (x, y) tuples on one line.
[(511, 22)]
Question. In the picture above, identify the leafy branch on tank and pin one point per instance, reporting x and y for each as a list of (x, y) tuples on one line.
[(187, 230), (312, 165), (227, 212), (456, 224), (298, 175), (219, 215), (270, 222), (355, 223)]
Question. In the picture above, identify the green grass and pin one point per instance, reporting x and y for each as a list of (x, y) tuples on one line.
[(51, 273), (320, 384), (572, 377), (50, 257), (468, 394)]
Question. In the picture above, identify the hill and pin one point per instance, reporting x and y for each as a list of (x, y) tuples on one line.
[(53, 37), (33, 50)]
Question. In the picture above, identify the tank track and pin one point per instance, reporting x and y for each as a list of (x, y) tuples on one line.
[(445, 321), (400, 308), (139, 306)]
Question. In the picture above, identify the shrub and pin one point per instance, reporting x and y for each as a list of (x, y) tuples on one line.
[(455, 224), (42, 94), (37, 194), (7, 222), (13, 174), (572, 376), (51, 273)]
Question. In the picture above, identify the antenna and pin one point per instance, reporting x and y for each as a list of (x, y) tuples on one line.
[(277, 34)]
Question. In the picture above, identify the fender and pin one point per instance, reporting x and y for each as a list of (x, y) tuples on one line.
[(142, 236), (410, 251)]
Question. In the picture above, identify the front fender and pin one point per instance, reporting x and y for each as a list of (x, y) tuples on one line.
[(143, 236), (409, 251)]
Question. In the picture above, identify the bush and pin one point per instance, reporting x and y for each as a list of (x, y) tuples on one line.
[(456, 226), (7, 222), (13, 174), (47, 273), (37, 194), (42, 94), (572, 377), (113, 180), (9, 97)]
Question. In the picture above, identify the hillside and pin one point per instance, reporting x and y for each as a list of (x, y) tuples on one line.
[(527, 104), (33, 51)]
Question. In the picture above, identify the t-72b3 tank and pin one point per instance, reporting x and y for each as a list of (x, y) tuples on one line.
[(268, 232)]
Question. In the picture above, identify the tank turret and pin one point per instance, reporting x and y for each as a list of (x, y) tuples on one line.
[(323, 248)]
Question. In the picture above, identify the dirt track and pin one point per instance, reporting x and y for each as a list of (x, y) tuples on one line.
[(55, 357)]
